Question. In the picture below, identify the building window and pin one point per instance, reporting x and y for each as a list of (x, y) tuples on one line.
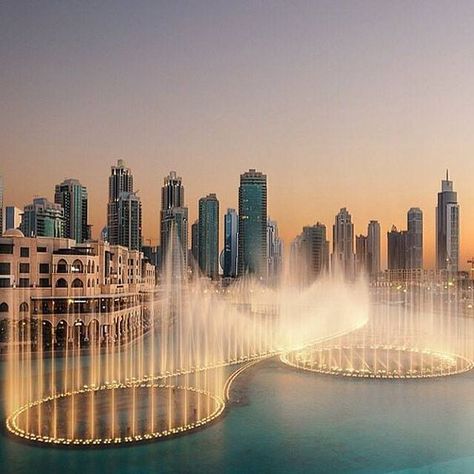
[(41, 249), (6, 249), (24, 268), (62, 266), (61, 283), (44, 267), (44, 282), (24, 252), (4, 282), (77, 267), (24, 282), (4, 268), (77, 283)]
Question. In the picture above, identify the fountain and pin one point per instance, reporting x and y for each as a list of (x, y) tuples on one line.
[(171, 372), (167, 376)]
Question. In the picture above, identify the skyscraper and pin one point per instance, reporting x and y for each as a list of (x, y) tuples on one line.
[(274, 251), (173, 217), (124, 210), (361, 254), (1, 205), (129, 209), (231, 236), (72, 196), (120, 181), (414, 258), (195, 240), (310, 254), (253, 224), (373, 248), (343, 243), (43, 219), (209, 236), (447, 228), (397, 249)]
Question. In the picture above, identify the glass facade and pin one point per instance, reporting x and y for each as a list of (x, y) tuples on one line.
[(253, 224)]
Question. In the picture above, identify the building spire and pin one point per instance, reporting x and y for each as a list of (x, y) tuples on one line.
[(447, 175)]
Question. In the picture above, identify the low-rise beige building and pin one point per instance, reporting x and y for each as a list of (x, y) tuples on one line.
[(72, 291)]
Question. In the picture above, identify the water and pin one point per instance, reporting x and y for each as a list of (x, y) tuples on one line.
[(290, 421)]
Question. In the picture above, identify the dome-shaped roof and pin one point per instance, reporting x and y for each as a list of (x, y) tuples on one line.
[(13, 233)]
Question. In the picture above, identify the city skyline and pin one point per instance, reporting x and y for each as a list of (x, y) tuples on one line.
[(335, 113), (428, 257)]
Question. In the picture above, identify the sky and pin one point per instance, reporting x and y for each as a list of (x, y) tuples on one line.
[(357, 104)]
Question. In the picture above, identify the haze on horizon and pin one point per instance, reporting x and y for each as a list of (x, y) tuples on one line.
[(358, 104)]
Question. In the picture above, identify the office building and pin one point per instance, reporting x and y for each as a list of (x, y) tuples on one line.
[(414, 238), (174, 221), (43, 218), (72, 196), (253, 224), (209, 236), (309, 254), (231, 244), (120, 181), (343, 244), (447, 228)]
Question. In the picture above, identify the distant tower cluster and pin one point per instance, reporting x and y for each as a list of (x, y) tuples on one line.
[(253, 224), (367, 256), (447, 228), (251, 242), (405, 247)]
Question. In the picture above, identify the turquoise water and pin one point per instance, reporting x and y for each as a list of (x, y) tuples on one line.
[(289, 421)]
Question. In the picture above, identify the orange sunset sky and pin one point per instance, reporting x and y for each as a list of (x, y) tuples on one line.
[(342, 104)]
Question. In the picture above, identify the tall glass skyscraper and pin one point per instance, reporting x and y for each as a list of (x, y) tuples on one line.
[(447, 228), (373, 248), (195, 240), (253, 224), (129, 221), (124, 210), (343, 243), (397, 249), (72, 196), (415, 238), (120, 181), (231, 244), (173, 217), (208, 243)]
